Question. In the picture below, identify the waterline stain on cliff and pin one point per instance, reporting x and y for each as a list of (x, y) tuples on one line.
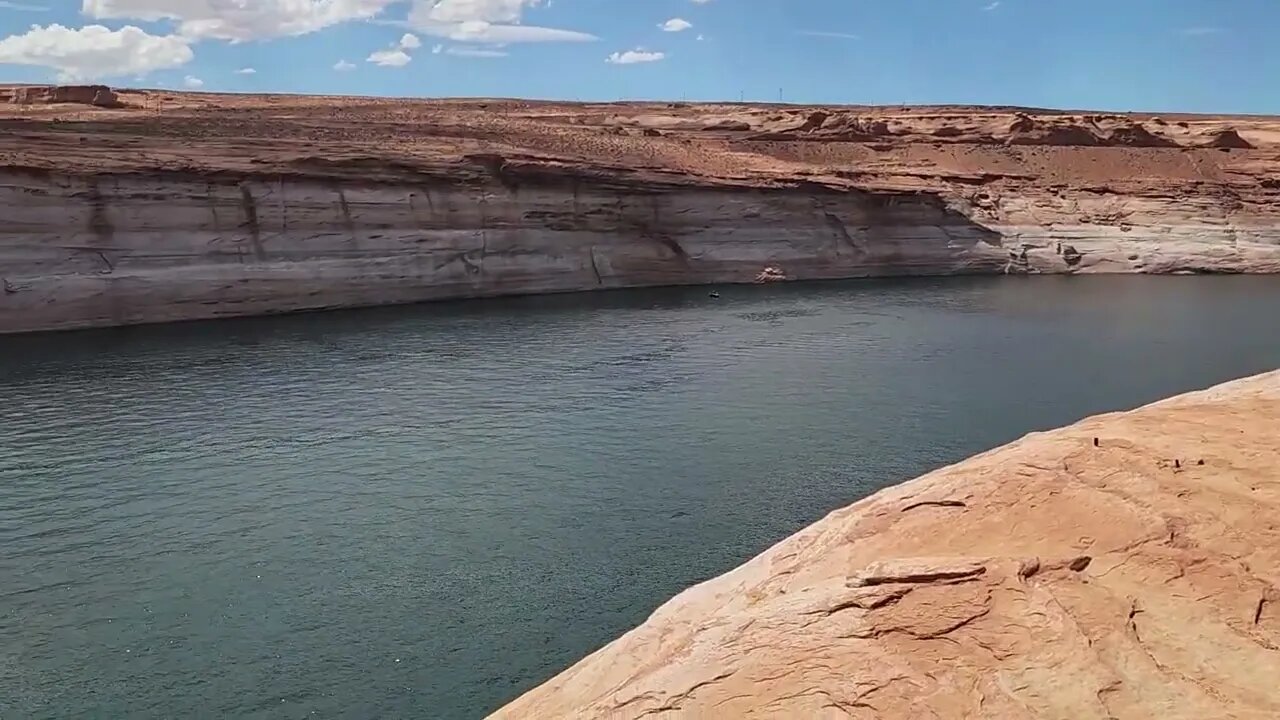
[(251, 222), (212, 199), (426, 195), (648, 223), (496, 167), (347, 222), (842, 232), (643, 233), (99, 223), (284, 208), (595, 268)]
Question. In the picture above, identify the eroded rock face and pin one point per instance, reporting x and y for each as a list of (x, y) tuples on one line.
[(96, 95), (184, 206), (1123, 567), (126, 250)]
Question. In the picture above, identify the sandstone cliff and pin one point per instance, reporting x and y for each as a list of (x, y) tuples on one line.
[(1123, 567), (179, 206)]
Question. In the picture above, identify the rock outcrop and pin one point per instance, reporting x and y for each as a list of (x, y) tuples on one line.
[(96, 95), (184, 206), (1123, 567)]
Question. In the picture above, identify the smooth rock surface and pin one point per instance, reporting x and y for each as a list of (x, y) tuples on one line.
[(1122, 567), (178, 206)]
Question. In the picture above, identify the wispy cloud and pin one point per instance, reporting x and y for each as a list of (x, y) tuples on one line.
[(991, 6), (246, 71), (493, 22), (344, 66), (394, 57), (1201, 31), (462, 51), (22, 6), (631, 57), (826, 34)]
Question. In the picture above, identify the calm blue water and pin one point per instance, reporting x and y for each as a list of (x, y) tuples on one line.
[(422, 512)]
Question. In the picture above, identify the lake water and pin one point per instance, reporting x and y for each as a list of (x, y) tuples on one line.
[(423, 511)]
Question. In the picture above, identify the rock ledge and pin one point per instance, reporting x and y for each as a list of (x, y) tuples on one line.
[(1123, 567)]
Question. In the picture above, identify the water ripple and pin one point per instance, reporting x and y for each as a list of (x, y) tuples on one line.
[(420, 512)]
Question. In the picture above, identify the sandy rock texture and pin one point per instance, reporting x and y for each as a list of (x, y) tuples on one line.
[(1122, 567), (135, 206), (96, 95)]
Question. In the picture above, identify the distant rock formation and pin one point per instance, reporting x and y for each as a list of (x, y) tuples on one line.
[(95, 95), (1135, 135), (1087, 132), (1228, 139), (182, 206)]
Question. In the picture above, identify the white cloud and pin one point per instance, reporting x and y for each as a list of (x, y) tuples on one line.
[(192, 82), (459, 11), (701, 2), (700, 38), (239, 20), (485, 21), (246, 71), (992, 5), (93, 51), (397, 55), (394, 57), (6, 4), (630, 57), (483, 32), (344, 66), (464, 51), (676, 25)]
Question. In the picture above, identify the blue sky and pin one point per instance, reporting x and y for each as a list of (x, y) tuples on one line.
[(1164, 55)]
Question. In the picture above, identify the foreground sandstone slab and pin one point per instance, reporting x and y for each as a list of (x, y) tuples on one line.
[(166, 206), (1122, 567)]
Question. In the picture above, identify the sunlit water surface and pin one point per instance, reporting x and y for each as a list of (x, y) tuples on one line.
[(423, 511)]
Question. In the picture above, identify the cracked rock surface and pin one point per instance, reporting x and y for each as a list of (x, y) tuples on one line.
[(1123, 567)]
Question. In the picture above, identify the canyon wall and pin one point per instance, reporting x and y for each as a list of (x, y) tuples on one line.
[(1123, 567), (80, 252), (116, 250), (179, 207)]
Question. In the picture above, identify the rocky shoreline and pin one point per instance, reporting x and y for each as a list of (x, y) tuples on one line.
[(159, 206), (1124, 566)]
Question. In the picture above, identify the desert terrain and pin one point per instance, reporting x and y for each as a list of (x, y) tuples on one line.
[(1122, 567), (1125, 566), (134, 206)]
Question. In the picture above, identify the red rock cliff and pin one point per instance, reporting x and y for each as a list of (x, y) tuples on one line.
[(178, 206)]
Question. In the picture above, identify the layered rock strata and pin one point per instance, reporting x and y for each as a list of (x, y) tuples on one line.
[(1123, 567), (183, 206)]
